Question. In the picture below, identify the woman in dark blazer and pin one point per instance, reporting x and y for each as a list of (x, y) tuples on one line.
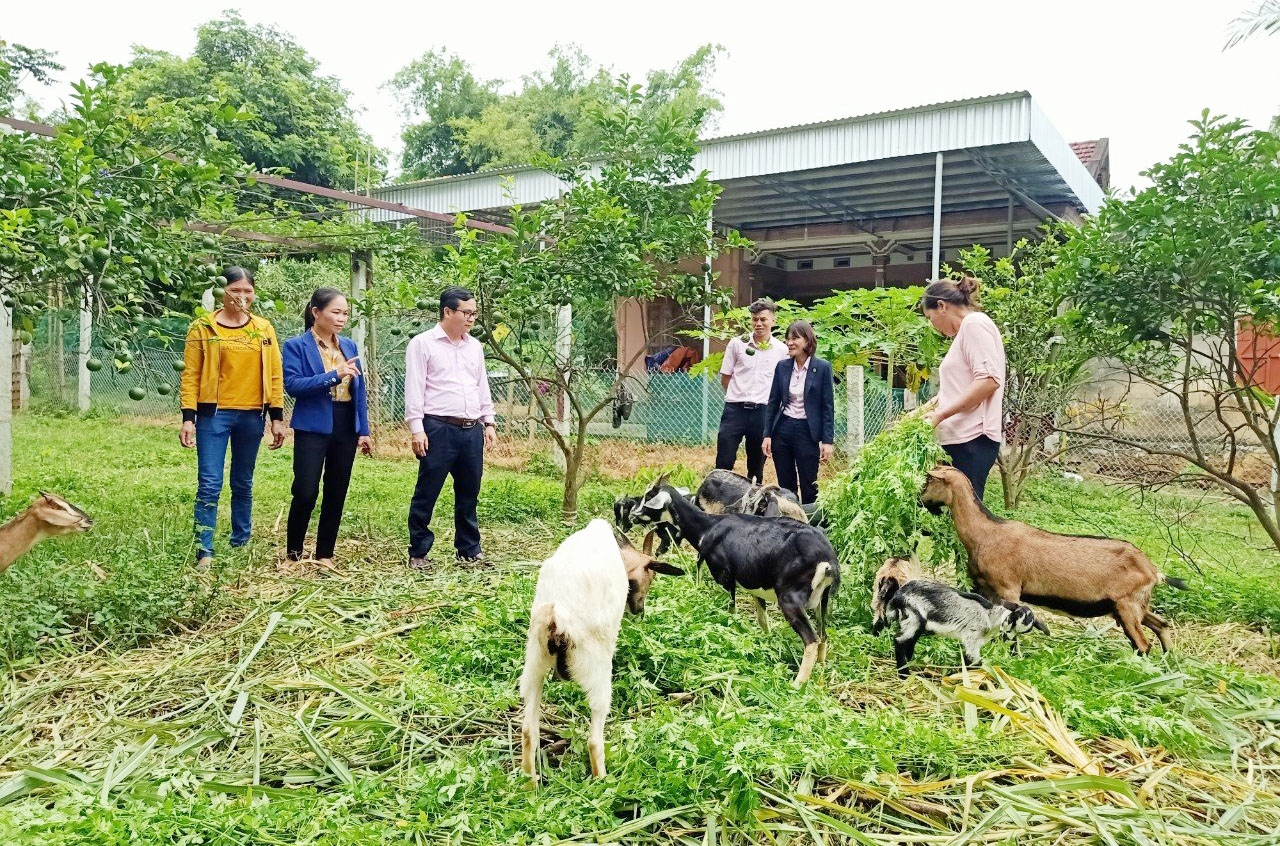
[(800, 423), (330, 419)]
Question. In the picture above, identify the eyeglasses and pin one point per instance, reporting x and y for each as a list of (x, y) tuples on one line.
[(468, 314)]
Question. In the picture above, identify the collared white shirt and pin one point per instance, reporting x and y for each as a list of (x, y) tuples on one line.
[(750, 374)]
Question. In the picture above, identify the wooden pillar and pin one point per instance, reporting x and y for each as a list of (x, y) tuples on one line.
[(880, 261)]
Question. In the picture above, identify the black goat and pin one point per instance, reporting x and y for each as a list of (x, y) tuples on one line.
[(726, 492), (772, 558)]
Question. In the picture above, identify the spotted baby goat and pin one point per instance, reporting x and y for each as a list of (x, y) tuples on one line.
[(1082, 576), (922, 607), (772, 558), (583, 589), (668, 533)]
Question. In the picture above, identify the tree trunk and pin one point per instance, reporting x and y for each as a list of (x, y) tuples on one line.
[(572, 484)]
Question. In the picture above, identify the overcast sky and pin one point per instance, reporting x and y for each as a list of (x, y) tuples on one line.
[(1131, 71)]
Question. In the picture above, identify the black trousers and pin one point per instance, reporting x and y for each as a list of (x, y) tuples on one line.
[(313, 454), (736, 423), (451, 451), (795, 458), (974, 459)]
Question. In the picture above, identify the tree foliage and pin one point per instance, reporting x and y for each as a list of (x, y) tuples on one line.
[(620, 230), (301, 120), (457, 123), (1161, 282), (864, 327), (101, 206), (436, 91), (18, 63)]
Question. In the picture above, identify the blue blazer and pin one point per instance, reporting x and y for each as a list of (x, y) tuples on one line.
[(306, 380), (819, 399)]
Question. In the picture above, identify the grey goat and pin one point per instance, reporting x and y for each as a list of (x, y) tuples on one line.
[(927, 607)]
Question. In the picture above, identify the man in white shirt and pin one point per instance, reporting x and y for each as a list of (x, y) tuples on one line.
[(746, 374)]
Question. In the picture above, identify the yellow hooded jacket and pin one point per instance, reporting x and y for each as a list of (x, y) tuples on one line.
[(201, 378)]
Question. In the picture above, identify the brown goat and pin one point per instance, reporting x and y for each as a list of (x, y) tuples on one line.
[(893, 574), (47, 517), (1081, 576), (641, 566)]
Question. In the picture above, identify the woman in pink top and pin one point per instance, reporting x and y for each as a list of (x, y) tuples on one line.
[(969, 416)]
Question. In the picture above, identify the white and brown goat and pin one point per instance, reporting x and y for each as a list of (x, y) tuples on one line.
[(1078, 575), (47, 517), (583, 590)]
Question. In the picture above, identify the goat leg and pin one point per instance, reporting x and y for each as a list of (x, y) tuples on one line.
[(762, 616), (1130, 620), (792, 606), (594, 671), (530, 736), (822, 624), (904, 649), (910, 627), (1160, 626)]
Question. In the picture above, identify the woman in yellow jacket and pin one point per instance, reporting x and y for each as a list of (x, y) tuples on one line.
[(232, 383)]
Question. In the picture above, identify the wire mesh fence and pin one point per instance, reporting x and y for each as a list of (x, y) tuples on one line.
[(664, 408), (1105, 433)]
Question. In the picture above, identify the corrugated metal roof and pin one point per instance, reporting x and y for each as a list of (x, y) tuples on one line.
[(872, 166)]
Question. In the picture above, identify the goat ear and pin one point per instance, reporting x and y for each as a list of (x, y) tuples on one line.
[(936, 473), (1040, 625), (648, 541), (664, 568)]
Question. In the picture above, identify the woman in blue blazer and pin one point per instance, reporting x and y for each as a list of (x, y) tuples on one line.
[(330, 419), (800, 423)]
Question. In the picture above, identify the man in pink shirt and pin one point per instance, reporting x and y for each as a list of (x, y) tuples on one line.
[(747, 374), (449, 410)]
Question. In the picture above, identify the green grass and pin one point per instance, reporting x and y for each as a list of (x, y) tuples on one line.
[(144, 704)]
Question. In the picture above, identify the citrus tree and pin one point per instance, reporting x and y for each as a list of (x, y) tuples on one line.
[(94, 215), (626, 227), (1163, 281)]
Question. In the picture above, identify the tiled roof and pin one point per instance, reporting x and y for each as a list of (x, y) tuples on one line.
[(1084, 150)]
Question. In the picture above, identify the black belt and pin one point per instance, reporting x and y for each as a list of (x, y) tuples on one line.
[(749, 406), (460, 422)]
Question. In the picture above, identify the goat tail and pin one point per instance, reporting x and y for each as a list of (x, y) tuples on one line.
[(542, 623), (825, 576), (1174, 582)]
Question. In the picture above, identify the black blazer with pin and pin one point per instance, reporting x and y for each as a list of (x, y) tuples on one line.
[(819, 399)]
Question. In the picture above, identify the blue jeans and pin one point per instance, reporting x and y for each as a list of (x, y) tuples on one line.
[(242, 430)]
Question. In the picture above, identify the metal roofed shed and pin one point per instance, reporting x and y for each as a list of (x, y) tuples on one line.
[(878, 199)]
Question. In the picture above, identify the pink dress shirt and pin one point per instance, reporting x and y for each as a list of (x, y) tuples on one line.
[(750, 376), (795, 392), (976, 353), (445, 378)]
